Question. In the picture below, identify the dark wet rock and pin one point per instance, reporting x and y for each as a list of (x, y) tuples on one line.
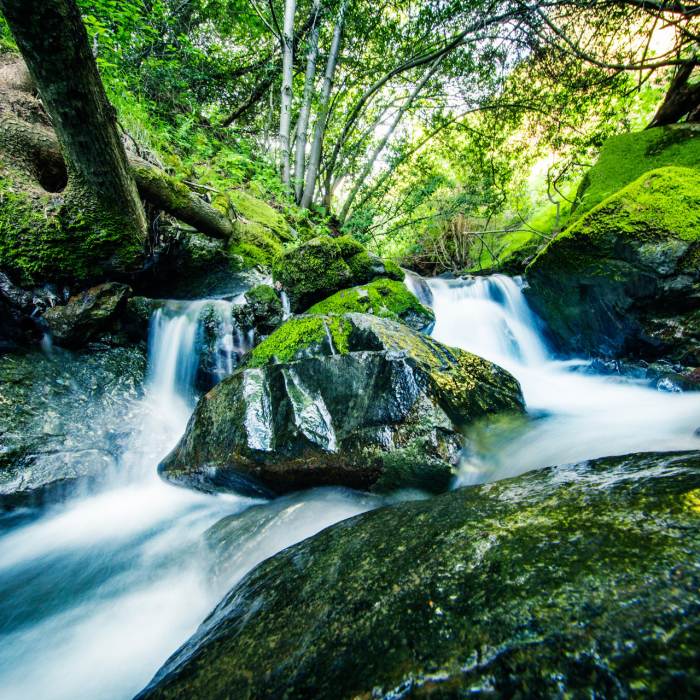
[(17, 328), (262, 310), (312, 271), (87, 315), (624, 280), (137, 316), (57, 418), (576, 581), (381, 297), (350, 400)]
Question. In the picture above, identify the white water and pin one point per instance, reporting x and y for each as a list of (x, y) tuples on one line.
[(576, 414), (96, 593)]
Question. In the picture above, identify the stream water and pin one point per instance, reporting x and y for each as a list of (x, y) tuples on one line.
[(97, 592)]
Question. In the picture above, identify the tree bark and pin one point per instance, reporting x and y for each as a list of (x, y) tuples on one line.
[(681, 99), (320, 126), (305, 111), (287, 40), (36, 148), (53, 40)]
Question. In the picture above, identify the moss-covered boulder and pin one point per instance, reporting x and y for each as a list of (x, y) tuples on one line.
[(314, 270), (625, 158), (382, 297), (262, 310), (568, 582), (57, 420), (87, 315), (624, 280), (352, 400)]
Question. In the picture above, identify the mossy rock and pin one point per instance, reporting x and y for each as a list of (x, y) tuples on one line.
[(628, 267), (351, 400), (254, 245), (381, 297), (624, 158), (262, 311), (255, 210), (567, 582), (314, 270)]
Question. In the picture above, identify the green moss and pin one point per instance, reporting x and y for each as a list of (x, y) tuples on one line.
[(257, 211), (255, 245), (381, 297), (663, 204), (298, 334), (625, 158), (262, 294), (54, 237)]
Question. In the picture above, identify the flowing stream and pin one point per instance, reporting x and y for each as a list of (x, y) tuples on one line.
[(97, 592)]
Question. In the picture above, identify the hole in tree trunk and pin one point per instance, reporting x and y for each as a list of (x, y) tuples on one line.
[(52, 177)]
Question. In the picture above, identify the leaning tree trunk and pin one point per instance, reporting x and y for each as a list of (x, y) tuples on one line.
[(53, 40), (682, 99), (320, 126)]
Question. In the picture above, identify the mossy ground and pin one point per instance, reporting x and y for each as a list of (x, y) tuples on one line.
[(625, 158), (382, 297)]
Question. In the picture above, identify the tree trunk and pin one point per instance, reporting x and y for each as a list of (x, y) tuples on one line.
[(287, 89), (681, 99), (367, 169), (305, 111), (320, 126), (53, 40)]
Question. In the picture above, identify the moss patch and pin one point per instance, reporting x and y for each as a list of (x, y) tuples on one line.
[(256, 210), (382, 297), (624, 158), (43, 237)]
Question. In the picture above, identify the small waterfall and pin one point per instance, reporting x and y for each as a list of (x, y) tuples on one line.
[(286, 306), (574, 412)]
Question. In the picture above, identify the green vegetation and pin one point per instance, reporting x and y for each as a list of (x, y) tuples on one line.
[(625, 157)]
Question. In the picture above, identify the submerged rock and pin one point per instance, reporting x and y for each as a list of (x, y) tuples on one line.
[(576, 581), (314, 270), (86, 315), (624, 280), (57, 418), (352, 400), (381, 297)]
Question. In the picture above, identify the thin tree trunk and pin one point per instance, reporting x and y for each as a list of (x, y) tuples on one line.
[(53, 40), (320, 126), (305, 111), (287, 88), (367, 169), (681, 99)]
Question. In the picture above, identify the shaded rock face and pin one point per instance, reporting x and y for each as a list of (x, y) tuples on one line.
[(577, 581), (382, 297), (349, 400), (86, 315), (262, 311), (314, 270), (57, 418), (624, 280)]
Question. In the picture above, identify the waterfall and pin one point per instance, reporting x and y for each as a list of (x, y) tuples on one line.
[(574, 413), (97, 592)]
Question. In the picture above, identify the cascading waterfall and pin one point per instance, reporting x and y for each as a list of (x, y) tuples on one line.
[(574, 413), (97, 592)]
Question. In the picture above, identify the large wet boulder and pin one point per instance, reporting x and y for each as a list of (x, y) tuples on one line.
[(314, 270), (351, 400), (60, 418), (624, 280), (382, 297), (577, 581), (87, 315)]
